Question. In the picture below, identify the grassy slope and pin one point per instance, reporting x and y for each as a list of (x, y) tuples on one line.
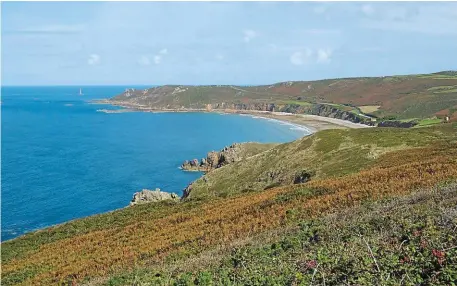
[(324, 154), (160, 234), (412, 96), (412, 239)]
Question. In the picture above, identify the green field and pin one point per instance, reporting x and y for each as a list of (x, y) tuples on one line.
[(429, 121)]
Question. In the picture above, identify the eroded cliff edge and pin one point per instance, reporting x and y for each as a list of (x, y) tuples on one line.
[(229, 154)]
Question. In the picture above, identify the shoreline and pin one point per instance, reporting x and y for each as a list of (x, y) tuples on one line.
[(308, 122)]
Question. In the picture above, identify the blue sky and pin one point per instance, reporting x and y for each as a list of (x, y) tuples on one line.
[(78, 43)]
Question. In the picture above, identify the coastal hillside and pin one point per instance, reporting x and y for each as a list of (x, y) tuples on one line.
[(226, 143), (384, 217), (328, 153), (406, 97)]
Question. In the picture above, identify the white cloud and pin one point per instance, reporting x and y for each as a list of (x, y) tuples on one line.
[(159, 56), (157, 59), (249, 35), (93, 60), (144, 61), (324, 55), (300, 58), (305, 56), (220, 57), (430, 19), (367, 9)]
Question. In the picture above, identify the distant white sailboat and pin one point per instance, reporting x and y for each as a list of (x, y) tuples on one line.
[(80, 92)]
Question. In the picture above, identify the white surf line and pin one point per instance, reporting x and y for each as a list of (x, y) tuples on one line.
[(295, 126)]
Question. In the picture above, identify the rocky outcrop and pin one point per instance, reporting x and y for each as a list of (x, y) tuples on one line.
[(398, 124), (148, 196), (303, 177), (214, 160), (186, 191)]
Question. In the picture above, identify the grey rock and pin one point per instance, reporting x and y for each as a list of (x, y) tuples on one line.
[(148, 196), (213, 159)]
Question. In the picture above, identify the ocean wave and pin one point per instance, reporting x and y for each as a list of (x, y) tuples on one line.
[(114, 110)]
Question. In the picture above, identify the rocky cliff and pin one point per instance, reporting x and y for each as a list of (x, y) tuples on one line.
[(325, 110), (229, 154)]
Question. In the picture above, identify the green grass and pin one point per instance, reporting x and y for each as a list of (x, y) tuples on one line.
[(343, 107), (442, 88), (368, 108), (427, 107), (429, 121), (438, 76), (303, 103), (446, 91), (328, 153), (407, 119)]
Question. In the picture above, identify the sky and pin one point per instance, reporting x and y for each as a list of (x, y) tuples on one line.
[(122, 43)]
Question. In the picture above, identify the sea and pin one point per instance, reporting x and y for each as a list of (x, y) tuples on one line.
[(63, 157)]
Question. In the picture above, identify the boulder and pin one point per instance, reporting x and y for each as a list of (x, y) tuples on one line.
[(185, 165), (212, 159), (194, 163), (148, 196)]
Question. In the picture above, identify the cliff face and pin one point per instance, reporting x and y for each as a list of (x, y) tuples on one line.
[(229, 154), (313, 109)]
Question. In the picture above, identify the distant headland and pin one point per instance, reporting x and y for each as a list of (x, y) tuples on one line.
[(400, 101)]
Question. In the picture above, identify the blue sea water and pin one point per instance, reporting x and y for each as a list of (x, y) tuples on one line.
[(61, 159)]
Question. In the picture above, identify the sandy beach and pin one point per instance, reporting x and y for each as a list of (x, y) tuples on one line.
[(311, 123)]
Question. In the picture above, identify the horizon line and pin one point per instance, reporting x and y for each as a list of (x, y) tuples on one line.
[(172, 84)]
